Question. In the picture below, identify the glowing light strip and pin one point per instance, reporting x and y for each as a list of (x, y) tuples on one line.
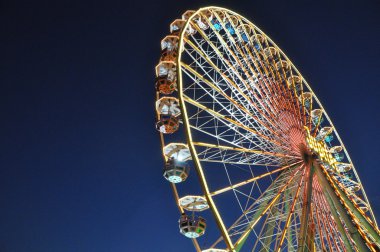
[(320, 148)]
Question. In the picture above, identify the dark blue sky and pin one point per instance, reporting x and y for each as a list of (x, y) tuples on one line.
[(80, 162)]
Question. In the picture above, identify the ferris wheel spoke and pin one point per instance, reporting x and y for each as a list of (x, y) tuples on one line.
[(266, 87), (221, 97), (283, 91), (247, 58), (315, 210), (227, 120), (280, 219), (257, 215), (232, 136), (278, 222), (227, 132), (298, 107), (349, 211), (235, 71), (238, 142), (270, 82), (268, 68), (359, 216), (282, 94), (240, 225), (334, 221), (319, 228), (230, 99), (291, 97), (264, 237), (238, 163), (240, 57), (290, 214), (331, 231), (243, 150), (326, 233), (259, 71), (231, 187), (220, 155), (242, 116), (293, 233), (284, 221), (234, 87), (226, 107)]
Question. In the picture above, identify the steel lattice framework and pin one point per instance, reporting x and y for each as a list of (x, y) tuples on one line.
[(272, 169)]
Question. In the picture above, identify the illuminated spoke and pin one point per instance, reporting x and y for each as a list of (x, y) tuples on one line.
[(249, 180)]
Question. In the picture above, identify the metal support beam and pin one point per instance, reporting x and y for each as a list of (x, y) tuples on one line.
[(371, 228), (306, 210), (263, 209), (329, 193), (334, 212), (269, 232), (289, 233)]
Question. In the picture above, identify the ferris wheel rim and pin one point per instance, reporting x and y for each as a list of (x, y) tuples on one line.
[(189, 137), (188, 133), (179, 77)]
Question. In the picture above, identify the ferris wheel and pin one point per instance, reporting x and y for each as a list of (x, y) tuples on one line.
[(254, 161)]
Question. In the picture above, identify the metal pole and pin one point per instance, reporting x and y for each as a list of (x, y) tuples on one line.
[(329, 193), (289, 233), (334, 212), (269, 232), (306, 209), (363, 221)]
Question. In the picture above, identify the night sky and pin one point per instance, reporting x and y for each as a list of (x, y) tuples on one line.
[(80, 162)]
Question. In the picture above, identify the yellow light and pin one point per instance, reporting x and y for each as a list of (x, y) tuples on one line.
[(320, 148)]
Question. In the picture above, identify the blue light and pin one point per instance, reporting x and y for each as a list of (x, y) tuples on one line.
[(245, 38), (230, 28), (216, 24), (329, 138), (339, 156)]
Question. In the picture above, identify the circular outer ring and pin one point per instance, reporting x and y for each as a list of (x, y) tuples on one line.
[(197, 164)]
